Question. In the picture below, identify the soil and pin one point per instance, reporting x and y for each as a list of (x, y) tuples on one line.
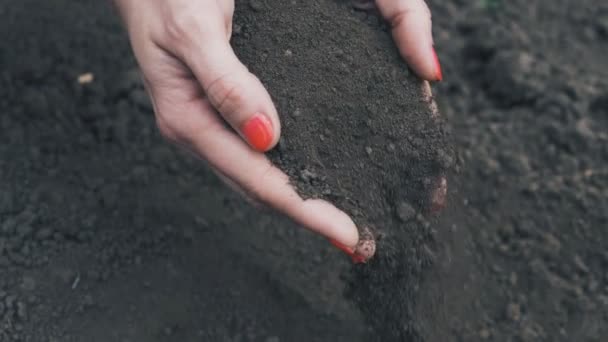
[(109, 234), (358, 132)]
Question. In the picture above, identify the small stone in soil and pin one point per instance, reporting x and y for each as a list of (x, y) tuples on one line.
[(405, 211), (307, 175)]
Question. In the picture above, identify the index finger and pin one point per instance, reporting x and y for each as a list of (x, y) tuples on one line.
[(200, 129)]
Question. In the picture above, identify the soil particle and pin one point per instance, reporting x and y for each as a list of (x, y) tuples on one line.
[(405, 211)]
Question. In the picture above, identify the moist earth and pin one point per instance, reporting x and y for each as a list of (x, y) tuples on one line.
[(109, 234), (356, 131)]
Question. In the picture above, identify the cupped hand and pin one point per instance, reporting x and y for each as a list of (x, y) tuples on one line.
[(198, 86)]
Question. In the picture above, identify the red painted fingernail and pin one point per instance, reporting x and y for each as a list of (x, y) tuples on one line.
[(258, 132), (356, 258), (438, 72)]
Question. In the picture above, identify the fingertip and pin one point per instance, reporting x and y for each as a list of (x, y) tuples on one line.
[(329, 221), (260, 132), (421, 56), (437, 67), (237, 95), (365, 250), (412, 30), (362, 251), (261, 103)]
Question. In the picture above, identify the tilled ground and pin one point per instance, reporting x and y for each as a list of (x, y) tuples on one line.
[(109, 234), (526, 92)]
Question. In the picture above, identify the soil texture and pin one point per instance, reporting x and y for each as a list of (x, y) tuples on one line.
[(357, 131), (109, 234)]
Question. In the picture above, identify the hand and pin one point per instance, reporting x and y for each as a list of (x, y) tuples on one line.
[(197, 84)]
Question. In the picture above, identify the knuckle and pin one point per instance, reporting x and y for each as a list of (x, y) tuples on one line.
[(397, 19), (178, 27), (226, 94), (401, 15), (184, 27)]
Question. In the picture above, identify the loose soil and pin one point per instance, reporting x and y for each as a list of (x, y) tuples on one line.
[(358, 132), (109, 234)]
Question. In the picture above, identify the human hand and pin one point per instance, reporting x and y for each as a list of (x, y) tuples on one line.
[(197, 85)]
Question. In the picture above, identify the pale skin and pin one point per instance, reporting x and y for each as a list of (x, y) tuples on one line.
[(197, 84)]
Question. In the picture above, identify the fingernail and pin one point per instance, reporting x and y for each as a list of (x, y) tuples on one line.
[(438, 72), (356, 258), (258, 132)]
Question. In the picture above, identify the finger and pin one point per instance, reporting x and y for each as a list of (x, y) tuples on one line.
[(363, 251), (227, 9), (202, 131), (236, 188), (360, 253), (411, 26), (234, 92)]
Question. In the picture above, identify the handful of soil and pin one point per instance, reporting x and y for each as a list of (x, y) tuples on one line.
[(359, 131)]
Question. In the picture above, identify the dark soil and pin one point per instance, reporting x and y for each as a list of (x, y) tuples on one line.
[(357, 132), (109, 234)]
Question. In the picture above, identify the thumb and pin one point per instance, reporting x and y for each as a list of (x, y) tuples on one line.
[(234, 92)]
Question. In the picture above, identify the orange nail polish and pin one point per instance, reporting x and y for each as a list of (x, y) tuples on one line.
[(258, 132), (438, 72), (356, 258)]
